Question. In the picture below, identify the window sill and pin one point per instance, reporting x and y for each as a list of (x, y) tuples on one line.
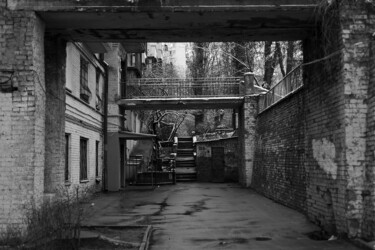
[(83, 181), (68, 183)]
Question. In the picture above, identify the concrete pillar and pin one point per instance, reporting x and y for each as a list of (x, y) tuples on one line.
[(22, 114), (55, 58), (247, 129), (249, 83), (115, 118), (113, 162)]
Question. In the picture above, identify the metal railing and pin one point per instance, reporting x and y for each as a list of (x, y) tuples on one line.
[(180, 88), (288, 85)]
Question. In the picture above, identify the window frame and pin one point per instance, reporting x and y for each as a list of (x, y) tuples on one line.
[(67, 158), (83, 158), (85, 92), (97, 146)]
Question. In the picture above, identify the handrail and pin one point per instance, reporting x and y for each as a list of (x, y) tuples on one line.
[(180, 88), (286, 86)]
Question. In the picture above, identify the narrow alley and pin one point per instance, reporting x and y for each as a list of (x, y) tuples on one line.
[(209, 216)]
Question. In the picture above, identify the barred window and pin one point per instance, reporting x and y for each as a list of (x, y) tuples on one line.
[(83, 159)]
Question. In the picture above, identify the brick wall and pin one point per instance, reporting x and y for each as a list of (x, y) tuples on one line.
[(279, 171), (336, 124), (21, 114), (359, 77), (368, 193), (246, 134), (231, 159)]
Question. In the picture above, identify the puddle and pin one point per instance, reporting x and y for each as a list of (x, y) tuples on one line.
[(197, 207), (318, 235), (263, 238)]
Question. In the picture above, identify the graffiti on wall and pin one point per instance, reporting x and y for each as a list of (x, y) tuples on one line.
[(324, 153)]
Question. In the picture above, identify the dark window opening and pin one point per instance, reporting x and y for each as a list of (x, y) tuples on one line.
[(97, 159), (83, 159), (67, 156)]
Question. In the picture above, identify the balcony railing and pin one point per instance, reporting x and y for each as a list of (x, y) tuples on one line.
[(181, 88), (288, 85)]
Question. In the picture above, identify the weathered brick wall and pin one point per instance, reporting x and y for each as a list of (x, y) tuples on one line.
[(336, 122), (246, 134), (339, 169), (359, 65), (22, 114), (325, 134), (231, 159), (279, 171)]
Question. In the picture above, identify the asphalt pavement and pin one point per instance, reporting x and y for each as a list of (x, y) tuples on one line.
[(209, 216)]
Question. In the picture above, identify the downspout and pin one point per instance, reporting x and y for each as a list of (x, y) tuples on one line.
[(105, 125)]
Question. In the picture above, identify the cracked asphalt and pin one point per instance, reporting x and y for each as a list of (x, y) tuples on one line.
[(209, 216)]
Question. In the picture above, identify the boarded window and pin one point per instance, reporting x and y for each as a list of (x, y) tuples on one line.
[(67, 156), (83, 159)]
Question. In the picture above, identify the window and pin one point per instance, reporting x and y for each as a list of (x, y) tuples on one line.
[(85, 92), (67, 156), (83, 159), (98, 103), (97, 159)]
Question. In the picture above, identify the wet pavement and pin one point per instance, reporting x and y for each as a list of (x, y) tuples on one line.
[(209, 216)]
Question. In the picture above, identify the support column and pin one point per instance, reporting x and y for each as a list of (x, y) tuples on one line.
[(113, 162), (55, 59), (358, 63), (247, 129), (22, 114)]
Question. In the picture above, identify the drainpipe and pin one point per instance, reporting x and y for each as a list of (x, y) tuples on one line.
[(105, 125)]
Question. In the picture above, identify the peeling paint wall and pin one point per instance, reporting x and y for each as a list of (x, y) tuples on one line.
[(324, 153)]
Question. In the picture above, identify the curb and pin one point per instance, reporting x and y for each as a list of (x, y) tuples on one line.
[(146, 238)]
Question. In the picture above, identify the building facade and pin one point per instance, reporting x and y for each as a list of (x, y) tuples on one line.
[(84, 119)]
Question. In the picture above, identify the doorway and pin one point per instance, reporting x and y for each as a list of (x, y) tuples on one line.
[(217, 164)]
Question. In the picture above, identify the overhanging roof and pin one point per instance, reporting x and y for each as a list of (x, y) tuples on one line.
[(135, 136)]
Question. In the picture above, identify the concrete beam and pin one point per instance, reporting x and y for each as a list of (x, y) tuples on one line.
[(136, 5), (182, 103), (174, 21)]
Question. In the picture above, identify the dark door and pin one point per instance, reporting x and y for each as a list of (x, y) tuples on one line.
[(122, 165), (217, 164)]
